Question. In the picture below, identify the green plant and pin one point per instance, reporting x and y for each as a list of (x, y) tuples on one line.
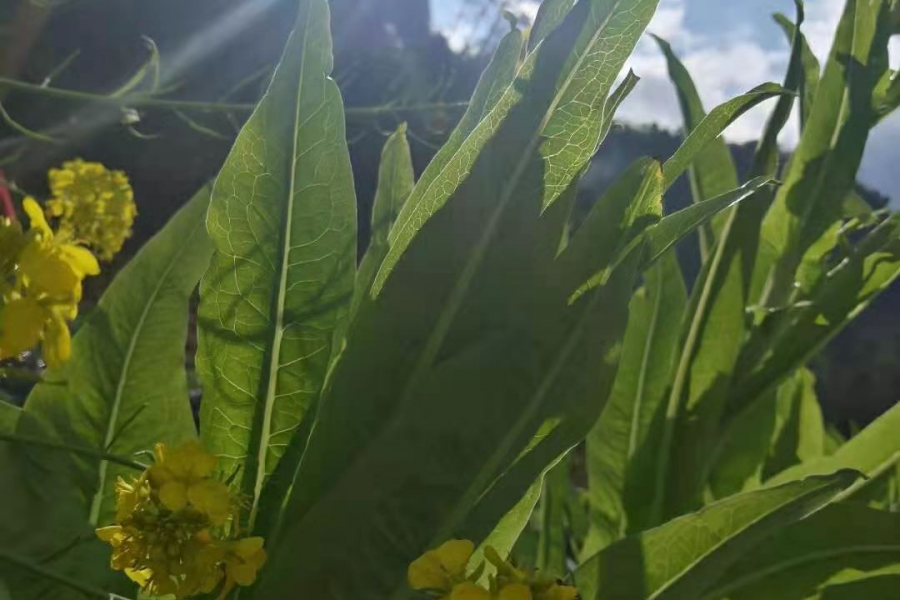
[(366, 415)]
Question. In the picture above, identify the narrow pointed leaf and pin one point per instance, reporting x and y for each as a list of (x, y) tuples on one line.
[(282, 218), (125, 387), (809, 83), (685, 557)]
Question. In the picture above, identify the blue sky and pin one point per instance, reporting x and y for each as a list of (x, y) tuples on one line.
[(730, 46)]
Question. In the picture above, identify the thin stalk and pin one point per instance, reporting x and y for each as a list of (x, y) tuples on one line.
[(80, 450), (84, 588)]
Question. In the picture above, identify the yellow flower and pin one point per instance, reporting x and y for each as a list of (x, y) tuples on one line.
[(167, 536), (515, 591), (93, 204), (469, 591), (24, 322), (181, 476), (441, 568), (559, 592), (243, 560)]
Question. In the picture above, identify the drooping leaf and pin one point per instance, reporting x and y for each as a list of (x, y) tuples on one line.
[(625, 434), (282, 218), (125, 388), (684, 558), (803, 558), (824, 167)]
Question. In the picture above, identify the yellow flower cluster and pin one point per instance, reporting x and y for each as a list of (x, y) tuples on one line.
[(41, 286), (41, 271), (168, 536), (442, 572), (93, 204)]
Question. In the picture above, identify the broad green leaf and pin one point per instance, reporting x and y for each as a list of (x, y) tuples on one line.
[(684, 558), (549, 14), (551, 557), (800, 428), (800, 560), (396, 414), (396, 179), (824, 167), (625, 434), (125, 387), (710, 128), (283, 221), (887, 96), (809, 83), (876, 446)]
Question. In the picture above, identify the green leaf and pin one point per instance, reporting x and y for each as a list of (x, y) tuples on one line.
[(549, 15), (708, 131), (492, 85), (676, 226), (47, 547), (824, 167), (809, 83), (876, 447), (790, 337), (627, 430), (125, 387), (9, 416), (712, 171), (766, 157), (396, 179), (551, 558), (800, 560), (778, 432), (685, 557), (877, 587), (282, 218)]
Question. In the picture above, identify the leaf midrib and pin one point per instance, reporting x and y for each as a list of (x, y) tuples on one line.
[(786, 565), (97, 501), (278, 332)]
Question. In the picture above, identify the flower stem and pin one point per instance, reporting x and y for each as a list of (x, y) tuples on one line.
[(90, 452)]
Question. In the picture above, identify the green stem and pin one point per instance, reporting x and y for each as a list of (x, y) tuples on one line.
[(53, 576), (151, 102), (90, 452)]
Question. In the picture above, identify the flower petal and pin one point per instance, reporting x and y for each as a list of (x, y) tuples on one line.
[(454, 556), (173, 495)]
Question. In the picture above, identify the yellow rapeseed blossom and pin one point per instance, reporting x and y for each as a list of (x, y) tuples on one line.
[(441, 572), (94, 205), (46, 289), (168, 535)]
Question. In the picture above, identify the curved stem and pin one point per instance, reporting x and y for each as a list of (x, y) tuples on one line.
[(89, 452)]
